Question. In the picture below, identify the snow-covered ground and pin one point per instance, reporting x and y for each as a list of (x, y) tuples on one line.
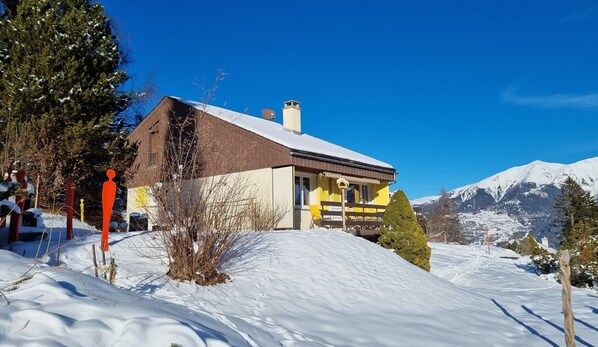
[(297, 288)]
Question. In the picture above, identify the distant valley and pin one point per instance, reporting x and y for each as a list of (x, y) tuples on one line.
[(516, 201)]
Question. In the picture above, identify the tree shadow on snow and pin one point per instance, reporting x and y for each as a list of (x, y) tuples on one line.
[(148, 286), (250, 246), (71, 288), (114, 242), (530, 329), (531, 268), (594, 309), (577, 338), (588, 325)]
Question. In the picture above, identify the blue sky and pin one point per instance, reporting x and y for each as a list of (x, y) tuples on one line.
[(448, 92)]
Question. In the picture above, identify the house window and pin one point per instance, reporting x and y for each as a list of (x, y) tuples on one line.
[(358, 194), (365, 194), (152, 152), (351, 193), (302, 189)]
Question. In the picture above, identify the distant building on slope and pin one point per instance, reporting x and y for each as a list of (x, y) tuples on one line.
[(287, 166)]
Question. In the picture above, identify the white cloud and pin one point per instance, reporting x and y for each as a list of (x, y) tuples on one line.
[(555, 101), (581, 15)]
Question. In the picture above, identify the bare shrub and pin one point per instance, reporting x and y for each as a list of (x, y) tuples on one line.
[(203, 219), (264, 217)]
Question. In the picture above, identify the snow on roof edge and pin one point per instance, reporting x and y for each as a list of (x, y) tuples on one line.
[(275, 132)]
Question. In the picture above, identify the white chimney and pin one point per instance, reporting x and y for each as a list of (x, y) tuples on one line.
[(291, 116)]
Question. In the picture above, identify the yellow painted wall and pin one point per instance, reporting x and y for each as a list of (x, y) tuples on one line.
[(382, 194), (141, 196), (328, 190)]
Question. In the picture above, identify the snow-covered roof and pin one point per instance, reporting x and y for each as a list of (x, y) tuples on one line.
[(275, 132)]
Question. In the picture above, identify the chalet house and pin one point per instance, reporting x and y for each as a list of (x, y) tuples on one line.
[(288, 167)]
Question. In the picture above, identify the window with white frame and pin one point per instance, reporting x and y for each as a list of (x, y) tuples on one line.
[(358, 193), (302, 189)]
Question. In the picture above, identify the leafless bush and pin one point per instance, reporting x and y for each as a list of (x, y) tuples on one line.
[(203, 219), (264, 217)]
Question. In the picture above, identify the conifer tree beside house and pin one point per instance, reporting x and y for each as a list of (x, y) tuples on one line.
[(401, 232), (61, 93), (577, 216)]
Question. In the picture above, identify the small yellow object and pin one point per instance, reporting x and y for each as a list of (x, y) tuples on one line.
[(342, 183), (82, 205)]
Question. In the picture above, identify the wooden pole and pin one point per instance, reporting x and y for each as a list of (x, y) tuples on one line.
[(13, 229), (112, 271), (95, 260), (70, 200), (567, 311), (104, 263), (37, 192), (343, 191), (82, 206), (57, 262)]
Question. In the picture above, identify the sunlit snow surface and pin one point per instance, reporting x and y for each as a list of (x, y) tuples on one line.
[(297, 288)]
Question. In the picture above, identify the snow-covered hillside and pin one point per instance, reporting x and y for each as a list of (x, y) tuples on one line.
[(297, 288), (521, 197)]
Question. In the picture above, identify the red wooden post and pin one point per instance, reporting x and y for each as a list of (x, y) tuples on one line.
[(20, 200), (6, 179), (13, 229), (70, 200), (108, 195), (15, 218)]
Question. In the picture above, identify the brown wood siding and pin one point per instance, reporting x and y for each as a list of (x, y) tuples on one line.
[(143, 173), (226, 148), (230, 148)]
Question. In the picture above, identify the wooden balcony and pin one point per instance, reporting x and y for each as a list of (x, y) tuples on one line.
[(360, 219)]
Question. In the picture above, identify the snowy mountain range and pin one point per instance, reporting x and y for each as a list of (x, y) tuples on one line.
[(516, 201)]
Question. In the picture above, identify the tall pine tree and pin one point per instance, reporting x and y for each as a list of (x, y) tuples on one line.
[(401, 231), (577, 215), (574, 206), (61, 93)]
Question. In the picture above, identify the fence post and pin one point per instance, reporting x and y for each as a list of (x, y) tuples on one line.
[(82, 206), (567, 311), (13, 229), (70, 199)]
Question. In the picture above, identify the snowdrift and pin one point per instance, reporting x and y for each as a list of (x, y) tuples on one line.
[(295, 288)]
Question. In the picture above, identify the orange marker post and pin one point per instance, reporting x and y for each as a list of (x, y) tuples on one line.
[(108, 195)]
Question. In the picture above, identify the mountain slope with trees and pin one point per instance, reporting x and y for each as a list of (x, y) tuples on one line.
[(516, 201)]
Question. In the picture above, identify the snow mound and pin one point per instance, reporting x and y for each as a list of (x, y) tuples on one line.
[(294, 288), (320, 288), (58, 307)]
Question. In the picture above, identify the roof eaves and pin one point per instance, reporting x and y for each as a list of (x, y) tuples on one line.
[(342, 161)]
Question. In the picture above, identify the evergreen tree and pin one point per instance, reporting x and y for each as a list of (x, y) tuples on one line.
[(8, 7), (583, 247), (573, 206), (577, 215), (443, 224), (61, 93), (400, 231)]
